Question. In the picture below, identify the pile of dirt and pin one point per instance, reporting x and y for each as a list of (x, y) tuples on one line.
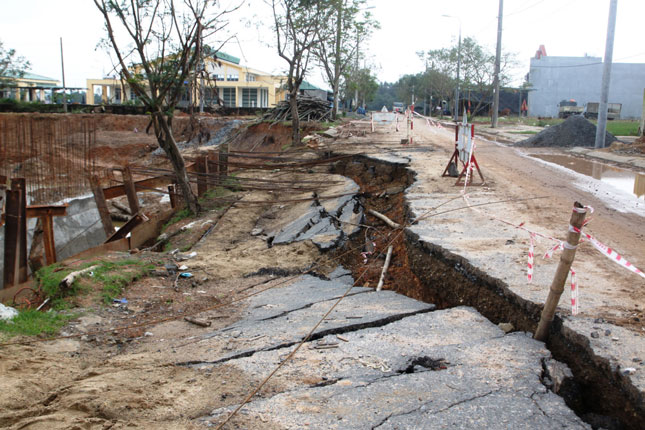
[(575, 131)]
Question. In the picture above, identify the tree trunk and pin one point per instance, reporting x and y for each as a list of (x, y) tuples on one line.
[(336, 97), (167, 142), (295, 119)]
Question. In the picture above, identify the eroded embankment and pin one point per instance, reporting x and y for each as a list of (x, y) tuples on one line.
[(425, 271)]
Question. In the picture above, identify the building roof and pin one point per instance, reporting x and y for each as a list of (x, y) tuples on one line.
[(307, 86), (33, 77), (226, 57)]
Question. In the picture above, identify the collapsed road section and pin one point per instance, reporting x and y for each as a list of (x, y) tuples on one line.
[(465, 256)]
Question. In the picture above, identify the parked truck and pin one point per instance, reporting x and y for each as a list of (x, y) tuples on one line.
[(566, 108), (613, 110), (398, 107)]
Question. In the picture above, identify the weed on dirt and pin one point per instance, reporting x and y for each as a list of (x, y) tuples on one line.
[(31, 322)]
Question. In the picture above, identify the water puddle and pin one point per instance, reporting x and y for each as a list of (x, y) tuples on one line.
[(623, 179)]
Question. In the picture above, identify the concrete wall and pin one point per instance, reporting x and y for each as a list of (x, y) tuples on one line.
[(81, 229), (558, 78)]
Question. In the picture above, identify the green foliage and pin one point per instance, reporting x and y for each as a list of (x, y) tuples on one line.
[(11, 65), (178, 216), (32, 323), (49, 278), (114, 276), (22, 106)]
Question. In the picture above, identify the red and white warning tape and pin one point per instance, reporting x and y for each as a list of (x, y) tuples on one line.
[(574, 292), (609, 253), (529, 270)]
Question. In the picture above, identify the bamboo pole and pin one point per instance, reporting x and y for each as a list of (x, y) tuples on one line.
[(385, 267), (562, 272)]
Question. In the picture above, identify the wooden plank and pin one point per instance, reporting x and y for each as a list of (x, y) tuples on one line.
[(150, 229), (12, 208), (101, 205), (127, 227), (121, 245), (37, 211), (145, 184), (130, 190)]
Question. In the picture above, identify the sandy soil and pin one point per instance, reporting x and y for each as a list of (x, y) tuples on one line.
[(130, 379)]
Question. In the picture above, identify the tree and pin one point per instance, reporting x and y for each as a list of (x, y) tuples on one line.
[(165, 39), (297, 25), (11, 65), (340, 39), (477, 67)]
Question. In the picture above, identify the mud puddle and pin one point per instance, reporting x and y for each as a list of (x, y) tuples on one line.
[(431, 274), (625, 180)]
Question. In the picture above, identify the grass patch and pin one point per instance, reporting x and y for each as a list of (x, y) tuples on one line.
[(623, 127), (114, 276), (178, 216), (523, 132), (33, 323)]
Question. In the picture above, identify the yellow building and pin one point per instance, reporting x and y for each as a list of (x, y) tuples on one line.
[(235, 85), (30, 87)]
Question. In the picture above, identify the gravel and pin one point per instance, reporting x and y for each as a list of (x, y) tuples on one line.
[(575, 131)]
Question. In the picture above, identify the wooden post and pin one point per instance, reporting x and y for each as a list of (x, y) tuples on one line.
[(173, 197), (562, 272), (101, 205), (19, 184), (130, 190), (223, 164), (202, 179), (11, 229), (48, 237)]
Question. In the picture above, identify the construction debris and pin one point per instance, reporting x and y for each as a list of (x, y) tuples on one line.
[(309, 109), (575, 131)]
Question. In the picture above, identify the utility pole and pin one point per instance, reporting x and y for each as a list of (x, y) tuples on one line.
[(356, 72), (62, 65), (458, 67), (601, 129), (498, 57)]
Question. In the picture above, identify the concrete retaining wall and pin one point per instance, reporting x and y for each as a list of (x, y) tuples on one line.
[(81, 229)]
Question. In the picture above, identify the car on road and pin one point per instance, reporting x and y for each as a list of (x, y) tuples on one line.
[(398, 107)]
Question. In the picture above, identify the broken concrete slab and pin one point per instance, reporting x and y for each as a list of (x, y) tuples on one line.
[(431, 370), (280, 317), (327, 222)]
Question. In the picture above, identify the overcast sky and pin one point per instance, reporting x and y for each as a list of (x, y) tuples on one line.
[(565, 27)]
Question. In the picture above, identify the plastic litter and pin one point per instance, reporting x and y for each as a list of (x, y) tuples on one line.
[(183, 267), (186, 275), (122, 301), (7, 313)]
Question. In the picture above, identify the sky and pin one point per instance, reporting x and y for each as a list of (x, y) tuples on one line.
[(566, 27)]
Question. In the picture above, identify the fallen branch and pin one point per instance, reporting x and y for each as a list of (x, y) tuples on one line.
[(123, 208), (69, 279), (385, 219), (385, 267), (196, 321)]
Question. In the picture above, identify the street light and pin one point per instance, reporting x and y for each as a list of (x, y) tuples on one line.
[(458, 67)]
